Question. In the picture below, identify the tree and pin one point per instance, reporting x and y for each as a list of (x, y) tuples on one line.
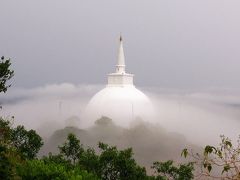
[(40, 170), (223, 159), (119, 164), (71, 149), (5, 74), (8, 154), (5, 131), (167, 171), (89, 160), (110, 164), (58, 159), (27, 143)]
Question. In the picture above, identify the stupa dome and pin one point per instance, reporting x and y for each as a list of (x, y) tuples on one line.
[(120, 100)]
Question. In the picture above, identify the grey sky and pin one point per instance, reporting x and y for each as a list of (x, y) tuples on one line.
[(173, 44)]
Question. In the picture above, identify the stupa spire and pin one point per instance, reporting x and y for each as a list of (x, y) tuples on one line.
[(120, 67), (120, 78)]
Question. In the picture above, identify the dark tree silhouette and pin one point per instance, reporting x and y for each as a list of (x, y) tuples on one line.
[(5, 74)]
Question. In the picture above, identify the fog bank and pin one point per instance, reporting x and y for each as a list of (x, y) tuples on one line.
[(201, 116)]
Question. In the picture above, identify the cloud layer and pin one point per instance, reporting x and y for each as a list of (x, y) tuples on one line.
[(200, 116)]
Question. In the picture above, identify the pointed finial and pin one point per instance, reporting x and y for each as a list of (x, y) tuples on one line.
[(121, 60), (120, 37)]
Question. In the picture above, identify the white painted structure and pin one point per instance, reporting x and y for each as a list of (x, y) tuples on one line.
[(120, 100), (120, 77)]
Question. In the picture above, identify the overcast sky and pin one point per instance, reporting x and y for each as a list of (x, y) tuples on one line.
[(168, 44)]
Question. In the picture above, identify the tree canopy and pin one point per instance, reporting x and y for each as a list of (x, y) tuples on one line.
[(5, 74)]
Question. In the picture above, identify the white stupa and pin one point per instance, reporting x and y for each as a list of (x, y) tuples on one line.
[(120, 100)]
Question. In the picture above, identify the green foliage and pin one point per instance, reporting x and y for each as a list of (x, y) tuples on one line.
[(184, 152), (58, 159), (225, 159), (5, 163), (71, 149), (167, 170), (5, 74), (115, 164), (89, 160), (5, 131), (40, 170), (27, 143), (111, 163), (226, 168), (209, 149), (7, 153), (15, 144)]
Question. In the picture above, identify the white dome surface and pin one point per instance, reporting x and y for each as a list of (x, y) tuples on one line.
[(122, 104), (120, 100)]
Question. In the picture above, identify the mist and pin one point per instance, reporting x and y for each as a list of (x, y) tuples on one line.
[(200, 116)]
